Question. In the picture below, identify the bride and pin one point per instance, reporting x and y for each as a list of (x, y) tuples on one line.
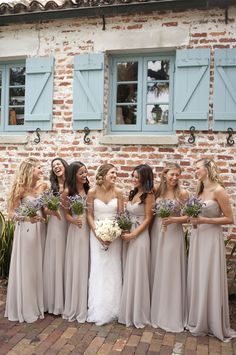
[(104, 201)]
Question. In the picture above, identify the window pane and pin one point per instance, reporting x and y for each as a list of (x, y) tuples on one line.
[(158, 70), (127, 71), (17, 76), (0, 78), (158, 93), (126, 115), (157, 114), (16, 116), (17, 96), (126, 93)]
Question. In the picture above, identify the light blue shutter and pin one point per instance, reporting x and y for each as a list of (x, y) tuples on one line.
[(191, 92), (224, 103), (88, 91), (39, 93)]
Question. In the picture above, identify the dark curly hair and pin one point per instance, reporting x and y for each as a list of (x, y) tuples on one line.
[(146, 179), (53, 178)]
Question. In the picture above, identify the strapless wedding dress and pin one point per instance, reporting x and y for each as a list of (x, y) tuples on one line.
[(105, 271)]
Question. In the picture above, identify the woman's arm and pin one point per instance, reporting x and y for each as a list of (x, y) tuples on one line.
[(222, 198), (148, 208), (120, 199)]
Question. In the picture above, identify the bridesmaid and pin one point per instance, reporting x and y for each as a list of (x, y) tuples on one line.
[(54, 257), (135, 299), (25, 284), (77, 248), (168, 258), (208, 311)]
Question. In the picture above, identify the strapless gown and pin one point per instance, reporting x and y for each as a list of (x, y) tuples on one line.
[(54, 264), (135, 299), (168, 277), (207, 290), (105, 271), (25, 284)]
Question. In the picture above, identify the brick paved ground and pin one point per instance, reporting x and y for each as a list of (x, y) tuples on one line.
[(52, 335)]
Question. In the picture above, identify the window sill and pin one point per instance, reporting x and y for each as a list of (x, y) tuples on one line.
[(13, 139), (139, 140)]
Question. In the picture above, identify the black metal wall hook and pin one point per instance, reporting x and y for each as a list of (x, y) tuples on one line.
[(229, 139), (86, 133), (38, 139), (191, 139)]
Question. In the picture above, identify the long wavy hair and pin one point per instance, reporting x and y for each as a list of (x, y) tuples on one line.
[(54, 179), (212, 172), (71, 179), (102, 172), (23, 179), (162, 188), (146, 178)]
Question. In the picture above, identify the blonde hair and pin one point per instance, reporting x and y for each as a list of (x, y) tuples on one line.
[(212, 171), (101, 173), (160, 192), (23, 179)]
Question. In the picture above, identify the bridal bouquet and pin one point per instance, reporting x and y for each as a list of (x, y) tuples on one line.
[(28, 209), (50, 201), (124, 221), (164, 209), (107, 230), (193, 207), (77, 204)]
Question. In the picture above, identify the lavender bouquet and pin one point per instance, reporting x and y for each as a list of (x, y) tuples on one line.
[(124, 221), (50, 201), (28, 209), (193, 207), (164, 209), (77, 204)]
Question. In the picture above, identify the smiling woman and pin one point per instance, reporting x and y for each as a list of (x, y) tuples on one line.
[(25, 287), (55, 247), (104, 202)]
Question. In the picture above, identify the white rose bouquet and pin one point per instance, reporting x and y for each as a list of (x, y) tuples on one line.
[(107, 230)]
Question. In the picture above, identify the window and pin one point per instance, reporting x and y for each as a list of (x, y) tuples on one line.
[(12, 96), (141, 94)]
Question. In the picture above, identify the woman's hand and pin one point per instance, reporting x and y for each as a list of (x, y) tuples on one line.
[(128, 236), (166, 221), (53, 213), (196, 220), (35, 219), (78, 221)]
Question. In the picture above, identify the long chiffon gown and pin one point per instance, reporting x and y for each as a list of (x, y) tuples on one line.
[(135, 299), (76, 272), (168, 277), (106, 271), (54, 262), (25, 285), (208, 311)]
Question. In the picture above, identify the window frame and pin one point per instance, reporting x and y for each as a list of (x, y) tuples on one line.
[(5, 127), (141, 126)]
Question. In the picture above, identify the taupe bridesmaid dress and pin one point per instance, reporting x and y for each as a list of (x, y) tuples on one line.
[(25, 285), (54, 264), (135, 297), (168, 277), (208, 311), (76, 272)]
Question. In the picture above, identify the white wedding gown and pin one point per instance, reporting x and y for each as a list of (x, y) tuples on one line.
[(105, 279)]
